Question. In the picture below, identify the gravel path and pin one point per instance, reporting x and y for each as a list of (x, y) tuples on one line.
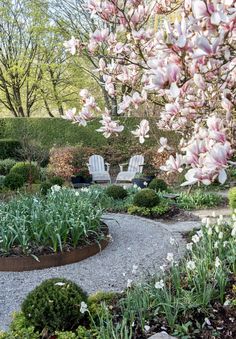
[(136, 241)]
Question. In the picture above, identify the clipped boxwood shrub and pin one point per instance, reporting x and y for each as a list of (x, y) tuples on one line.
[(232, 198), (116, 192), (6, 165), (146, 198), (26, 170), (9, 148), (14, 181), (158, 185), (54, 305)]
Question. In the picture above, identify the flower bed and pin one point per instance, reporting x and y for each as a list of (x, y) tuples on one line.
[(59, 222)]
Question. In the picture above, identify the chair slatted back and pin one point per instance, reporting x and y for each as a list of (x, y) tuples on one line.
[(96, 163), (135, 162)]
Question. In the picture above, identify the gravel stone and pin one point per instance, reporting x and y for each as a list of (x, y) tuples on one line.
[(135, 241)]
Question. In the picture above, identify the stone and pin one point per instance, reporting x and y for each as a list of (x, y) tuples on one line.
[(161, 335)]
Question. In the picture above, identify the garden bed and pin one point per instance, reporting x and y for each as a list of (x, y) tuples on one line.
[(47, 258)]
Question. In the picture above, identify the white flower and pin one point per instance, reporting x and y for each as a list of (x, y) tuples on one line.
[(59, 283), (200, 234), (170, 257), (189, 246), (129, 283), (216, 244), (209, 232), (191, 265), (163, 268), (147, 328), (134, 269), (55, 188), (213, 214), (83, 307), (217, 228), (76, 193), (145, 183), (221, 235), (172, 241), (195, 239), (135, 186), (159, 284), (84, 189), (225, 243), (217, 262), (233, 233), (206, 222), (124, 187)]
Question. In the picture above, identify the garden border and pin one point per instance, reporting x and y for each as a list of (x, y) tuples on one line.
[(28, 263)]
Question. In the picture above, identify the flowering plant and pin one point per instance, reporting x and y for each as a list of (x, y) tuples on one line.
[(187, 69)]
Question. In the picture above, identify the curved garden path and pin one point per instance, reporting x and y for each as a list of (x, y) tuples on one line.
[(135, 241)]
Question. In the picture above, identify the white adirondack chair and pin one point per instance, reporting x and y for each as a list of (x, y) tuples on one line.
[(135, 165), (98, 168)]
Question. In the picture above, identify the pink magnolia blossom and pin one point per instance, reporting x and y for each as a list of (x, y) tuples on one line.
[(173, 164), (109, 126), (187, 68), (142, 131), (164, 145), (72, 45)]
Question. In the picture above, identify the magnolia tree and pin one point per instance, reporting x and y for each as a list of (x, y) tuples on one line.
[(187, 68)]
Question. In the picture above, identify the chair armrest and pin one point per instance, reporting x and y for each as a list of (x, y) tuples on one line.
[(122, 166), (108, 166), (141, 168), (89, 167)]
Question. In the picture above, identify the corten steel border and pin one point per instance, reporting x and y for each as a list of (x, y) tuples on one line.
[(27, 263)]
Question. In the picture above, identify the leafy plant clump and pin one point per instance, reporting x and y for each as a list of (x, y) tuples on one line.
[(116, 192), (153, 212), (54, 305), (33, 224), (146, 198), (158, 185), (14, 181), (232, 198), (57, 181), (28, 171), (198, 199)]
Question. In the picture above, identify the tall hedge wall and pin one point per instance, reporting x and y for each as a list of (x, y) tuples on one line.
[(56, 131)]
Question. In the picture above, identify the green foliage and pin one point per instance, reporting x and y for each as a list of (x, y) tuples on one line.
[(54, 305), (28, 171), (45, 187), (6, 165), (232, 198), (153, 212), (95, 302), (198, 199), (9, 148), (29, 221), (116, 192), (158, 185), (20, 329), (55, 131), (57, 181), (14, 181), (146, 198), (2, 179)]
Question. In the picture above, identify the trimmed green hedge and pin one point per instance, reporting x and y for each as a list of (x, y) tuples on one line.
[(56, 131)]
